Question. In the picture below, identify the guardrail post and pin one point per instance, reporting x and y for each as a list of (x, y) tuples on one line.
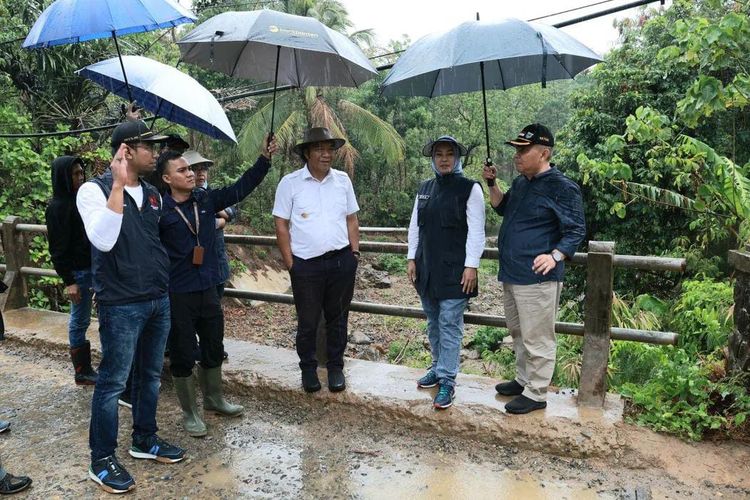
[(16, 249), (597, 323), (739, 339)]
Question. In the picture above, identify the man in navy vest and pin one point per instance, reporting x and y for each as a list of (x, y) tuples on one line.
[(130, 269), (543, 224), (446, 241)]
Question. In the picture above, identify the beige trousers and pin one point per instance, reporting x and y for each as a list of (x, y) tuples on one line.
[(530, 311)]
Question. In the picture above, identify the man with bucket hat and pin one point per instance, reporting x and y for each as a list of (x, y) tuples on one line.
[(317, 231), (446, 241), (130, 270), (543, 225)]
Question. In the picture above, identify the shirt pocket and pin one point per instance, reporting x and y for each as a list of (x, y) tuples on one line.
[(422, 205)]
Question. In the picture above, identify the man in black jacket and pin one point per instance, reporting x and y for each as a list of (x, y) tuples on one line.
[(188, 232), (71, 255)]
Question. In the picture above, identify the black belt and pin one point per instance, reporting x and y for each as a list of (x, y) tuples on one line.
[(328, 255)]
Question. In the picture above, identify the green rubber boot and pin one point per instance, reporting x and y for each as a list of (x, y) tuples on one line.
[(191, 419), (213, 400)]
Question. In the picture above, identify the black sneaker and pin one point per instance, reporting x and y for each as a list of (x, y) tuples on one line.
[(155, 448), (522, 404), (110, 475), (13, 484), (511, 388), (125, 400), (429, 380)]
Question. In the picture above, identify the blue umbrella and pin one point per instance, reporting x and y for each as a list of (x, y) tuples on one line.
[(477, 55), (166, 92), (74, 21)]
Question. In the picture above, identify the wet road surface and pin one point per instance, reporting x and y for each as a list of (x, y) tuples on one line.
[(280, 450)]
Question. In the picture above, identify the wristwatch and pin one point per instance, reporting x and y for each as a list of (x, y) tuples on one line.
[(557, 255)]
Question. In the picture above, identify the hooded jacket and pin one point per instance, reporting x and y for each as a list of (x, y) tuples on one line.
[(68, 245)]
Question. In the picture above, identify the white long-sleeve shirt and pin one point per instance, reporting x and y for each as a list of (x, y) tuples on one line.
[(102, 224), (475, 221)]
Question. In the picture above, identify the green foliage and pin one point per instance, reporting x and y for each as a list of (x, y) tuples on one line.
[(410, 353), (488, 338), (680, 398), (702, 315), (500, 363), (392, 263), (236, 266)]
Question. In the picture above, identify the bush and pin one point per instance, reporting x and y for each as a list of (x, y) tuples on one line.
[(392, 263), (702, 315), (682, 399), (488, 338)]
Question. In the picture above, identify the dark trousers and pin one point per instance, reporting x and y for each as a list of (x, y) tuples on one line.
[(195, 312), (326, 284)]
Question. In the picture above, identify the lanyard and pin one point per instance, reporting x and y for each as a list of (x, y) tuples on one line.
[(197, 228)]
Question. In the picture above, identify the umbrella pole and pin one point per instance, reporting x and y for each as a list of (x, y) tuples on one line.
[(124, 75), (275, 84), (484, 106)]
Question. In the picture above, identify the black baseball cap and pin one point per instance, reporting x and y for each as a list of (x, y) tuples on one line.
[(134, 131), (536, 133)]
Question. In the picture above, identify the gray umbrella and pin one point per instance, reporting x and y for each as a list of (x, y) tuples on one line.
[(269, 45), (495, 55)]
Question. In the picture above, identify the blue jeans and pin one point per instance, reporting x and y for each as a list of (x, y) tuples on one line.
[(131, 334), (80, 314), (445, 330)]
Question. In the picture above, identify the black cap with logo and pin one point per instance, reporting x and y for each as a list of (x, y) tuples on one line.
[(134, 131), (536, 133)]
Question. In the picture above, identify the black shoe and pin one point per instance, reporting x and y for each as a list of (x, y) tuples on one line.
[(13, 484), (110, 475), (310, 382), (522, 404), (336, 380), (511, 388), (155, 448)]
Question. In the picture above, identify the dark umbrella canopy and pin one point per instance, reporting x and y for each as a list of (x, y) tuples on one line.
[(514, 53), (246, 45), (480, 55)]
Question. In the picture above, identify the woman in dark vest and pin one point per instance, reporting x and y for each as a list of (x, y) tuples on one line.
[(446, 241)]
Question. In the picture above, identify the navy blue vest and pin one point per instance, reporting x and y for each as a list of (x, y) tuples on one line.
[(441, 253), (137, 267)]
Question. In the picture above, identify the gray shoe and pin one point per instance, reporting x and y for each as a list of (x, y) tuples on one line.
[(4, 425), (184, 387), (213, 398)]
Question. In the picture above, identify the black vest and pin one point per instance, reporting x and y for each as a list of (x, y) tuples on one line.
[(137, 267), (441, 253)]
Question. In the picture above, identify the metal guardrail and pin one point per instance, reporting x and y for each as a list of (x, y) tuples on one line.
[(597, 328)]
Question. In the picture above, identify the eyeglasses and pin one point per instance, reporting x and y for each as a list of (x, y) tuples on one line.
[(150, 146)]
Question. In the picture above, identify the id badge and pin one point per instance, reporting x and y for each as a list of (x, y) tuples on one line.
[(197, 256)]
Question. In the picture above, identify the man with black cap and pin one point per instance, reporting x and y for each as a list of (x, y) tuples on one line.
[(446, 241), (130, 269), (543, 225), (317, 231)]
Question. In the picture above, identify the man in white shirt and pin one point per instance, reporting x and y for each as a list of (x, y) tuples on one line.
[(130, 270), (446, 241), (317, 232)]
